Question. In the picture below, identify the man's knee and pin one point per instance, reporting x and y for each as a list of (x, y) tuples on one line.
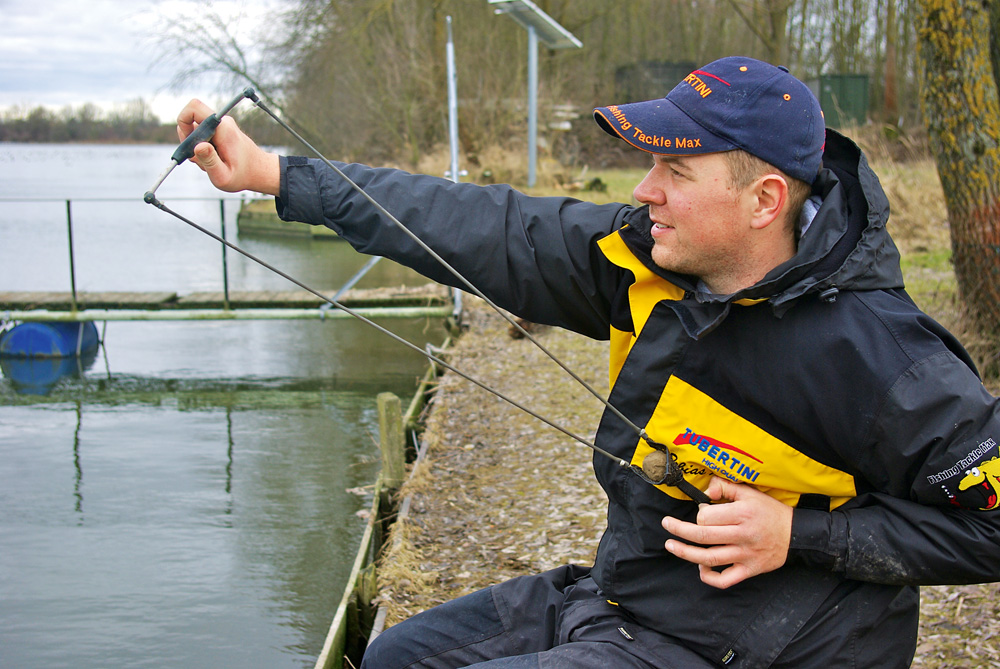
[(381, 650), (457, 633)]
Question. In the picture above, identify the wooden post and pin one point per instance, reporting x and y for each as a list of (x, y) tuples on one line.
[(392, 442)]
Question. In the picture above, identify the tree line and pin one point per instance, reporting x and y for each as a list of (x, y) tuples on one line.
[(132, 122), (366, 78)]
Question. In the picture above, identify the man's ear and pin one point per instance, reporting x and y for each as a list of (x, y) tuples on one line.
[(770, 198)]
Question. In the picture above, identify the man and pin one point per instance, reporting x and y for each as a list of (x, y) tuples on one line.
[(759, 328)]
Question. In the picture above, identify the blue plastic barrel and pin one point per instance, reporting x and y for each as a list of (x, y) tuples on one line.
[(48, 340)]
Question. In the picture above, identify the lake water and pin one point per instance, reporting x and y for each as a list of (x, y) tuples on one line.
[(181, 497)]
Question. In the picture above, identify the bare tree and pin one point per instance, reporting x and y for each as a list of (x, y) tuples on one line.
[(768, 20), (235, 50)]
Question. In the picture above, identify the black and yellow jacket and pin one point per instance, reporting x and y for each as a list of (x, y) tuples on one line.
[(822, 385)]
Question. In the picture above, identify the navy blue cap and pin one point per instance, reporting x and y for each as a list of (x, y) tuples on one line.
[(731, 103)]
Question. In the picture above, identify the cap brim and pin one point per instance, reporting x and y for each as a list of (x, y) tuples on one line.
[(659, 126)]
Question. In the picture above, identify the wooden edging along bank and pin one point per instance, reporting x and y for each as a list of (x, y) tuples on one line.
[(356, 617)]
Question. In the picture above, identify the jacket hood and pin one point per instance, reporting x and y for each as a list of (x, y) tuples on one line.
[(847, 246)]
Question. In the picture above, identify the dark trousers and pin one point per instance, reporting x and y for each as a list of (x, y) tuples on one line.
[(546, 621)]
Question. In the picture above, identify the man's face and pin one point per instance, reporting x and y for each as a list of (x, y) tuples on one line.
[(700, 223)]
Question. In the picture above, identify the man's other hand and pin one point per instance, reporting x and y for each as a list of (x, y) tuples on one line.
[(746, 536)]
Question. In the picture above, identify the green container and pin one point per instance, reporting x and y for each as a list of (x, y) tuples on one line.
[(649, 80), (843, 97)]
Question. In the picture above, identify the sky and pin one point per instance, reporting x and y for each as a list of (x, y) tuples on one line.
[(59, 53)]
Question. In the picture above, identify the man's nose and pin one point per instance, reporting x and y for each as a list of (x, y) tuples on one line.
[(645, 192)]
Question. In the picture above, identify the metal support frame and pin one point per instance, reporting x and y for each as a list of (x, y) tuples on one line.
[(532, 105), (72, 261), (256, 314), (453, 173), (541, 28)]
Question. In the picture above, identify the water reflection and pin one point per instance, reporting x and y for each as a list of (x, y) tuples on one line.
[(78, 468), (196, 524), (38, 376)]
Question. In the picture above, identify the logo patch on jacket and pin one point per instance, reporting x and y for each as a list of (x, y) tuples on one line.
[(731, 462), (978, 485)]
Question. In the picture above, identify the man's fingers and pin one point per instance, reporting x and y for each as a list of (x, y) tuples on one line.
[(747, 536), (712, 556), (209, 160), (718, 566), (206, 156), (193, 113), (701, 534), (728, 577), (721, 514), (720, 489)]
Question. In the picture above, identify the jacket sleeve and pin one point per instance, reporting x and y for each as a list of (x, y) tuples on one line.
[(934, 518), (536, 257)]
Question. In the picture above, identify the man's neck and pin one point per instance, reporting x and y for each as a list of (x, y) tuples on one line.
[(753, 270)]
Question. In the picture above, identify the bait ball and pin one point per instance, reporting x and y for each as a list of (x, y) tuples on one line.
[(654, 465)]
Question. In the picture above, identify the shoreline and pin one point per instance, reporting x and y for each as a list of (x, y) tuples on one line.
[(499, 493)]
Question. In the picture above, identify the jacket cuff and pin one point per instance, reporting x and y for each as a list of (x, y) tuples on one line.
[(298, 193), (818, 539)]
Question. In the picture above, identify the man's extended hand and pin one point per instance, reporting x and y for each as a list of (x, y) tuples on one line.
[(232, 161), (749, 535)]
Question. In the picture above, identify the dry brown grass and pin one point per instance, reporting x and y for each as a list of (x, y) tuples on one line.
[(502, 494)]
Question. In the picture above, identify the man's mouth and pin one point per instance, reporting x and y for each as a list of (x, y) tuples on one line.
[(660, 228)]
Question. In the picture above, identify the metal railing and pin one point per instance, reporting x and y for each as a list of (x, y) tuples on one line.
[(69, 232), (75, 314)]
